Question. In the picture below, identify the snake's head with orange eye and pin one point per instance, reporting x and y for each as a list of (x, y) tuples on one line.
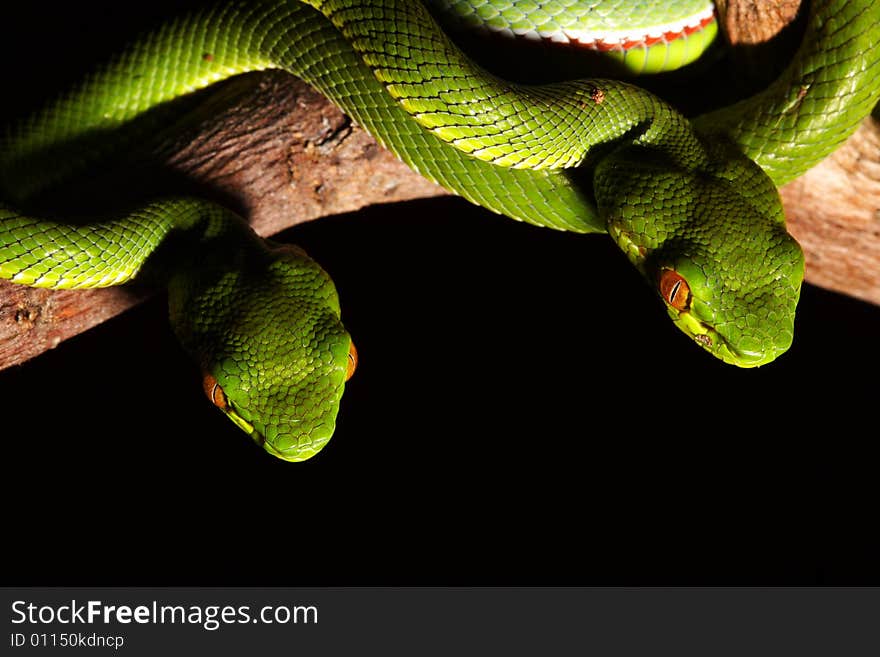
[(676, 292), (741, 321), (712, 241), (274, 354), (218, 397)]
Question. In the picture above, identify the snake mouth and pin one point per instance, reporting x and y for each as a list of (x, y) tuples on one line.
[(293, 455), (297, 451), (715, 343), (259, 439)]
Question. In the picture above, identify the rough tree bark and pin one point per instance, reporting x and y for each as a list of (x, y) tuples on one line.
[(286, 155), (278, 149)]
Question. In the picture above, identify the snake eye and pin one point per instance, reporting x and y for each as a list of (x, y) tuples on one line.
[(352, 361), (214, 392), (674, 289)]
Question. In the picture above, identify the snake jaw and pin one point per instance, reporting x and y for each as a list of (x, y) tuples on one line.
[(257, 435), (294, 455), (701, 332), (714, 342), (241, 423), (692, 314), (217, 396), (299, 452)]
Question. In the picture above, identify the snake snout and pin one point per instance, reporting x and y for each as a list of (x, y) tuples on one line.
[(755, 358)]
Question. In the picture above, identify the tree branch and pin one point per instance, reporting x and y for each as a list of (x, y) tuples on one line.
[(284, 155)]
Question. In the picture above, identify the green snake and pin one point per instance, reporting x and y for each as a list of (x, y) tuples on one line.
[(692, 203)]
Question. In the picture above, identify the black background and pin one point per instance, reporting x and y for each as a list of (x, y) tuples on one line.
[(524, 413)]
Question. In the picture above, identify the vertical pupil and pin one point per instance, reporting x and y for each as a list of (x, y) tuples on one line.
[(674, 289)]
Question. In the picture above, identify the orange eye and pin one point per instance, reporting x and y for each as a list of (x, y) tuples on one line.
[(674, 289), (352, 361), (214, 392)]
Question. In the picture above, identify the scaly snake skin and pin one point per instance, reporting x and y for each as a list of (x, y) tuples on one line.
[(685, 200)]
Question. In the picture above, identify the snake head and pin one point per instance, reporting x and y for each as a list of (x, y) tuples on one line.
[(745, 319), (274, 354), (713, 244)]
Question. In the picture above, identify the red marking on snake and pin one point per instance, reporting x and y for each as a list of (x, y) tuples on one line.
[(648, 41)]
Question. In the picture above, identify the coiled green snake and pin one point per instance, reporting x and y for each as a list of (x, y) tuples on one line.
[(692, 203)]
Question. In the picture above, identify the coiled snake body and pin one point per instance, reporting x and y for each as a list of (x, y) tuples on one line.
[(692, 203)]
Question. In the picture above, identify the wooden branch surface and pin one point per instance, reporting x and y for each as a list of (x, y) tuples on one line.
[(283, 152), (287, 155)]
